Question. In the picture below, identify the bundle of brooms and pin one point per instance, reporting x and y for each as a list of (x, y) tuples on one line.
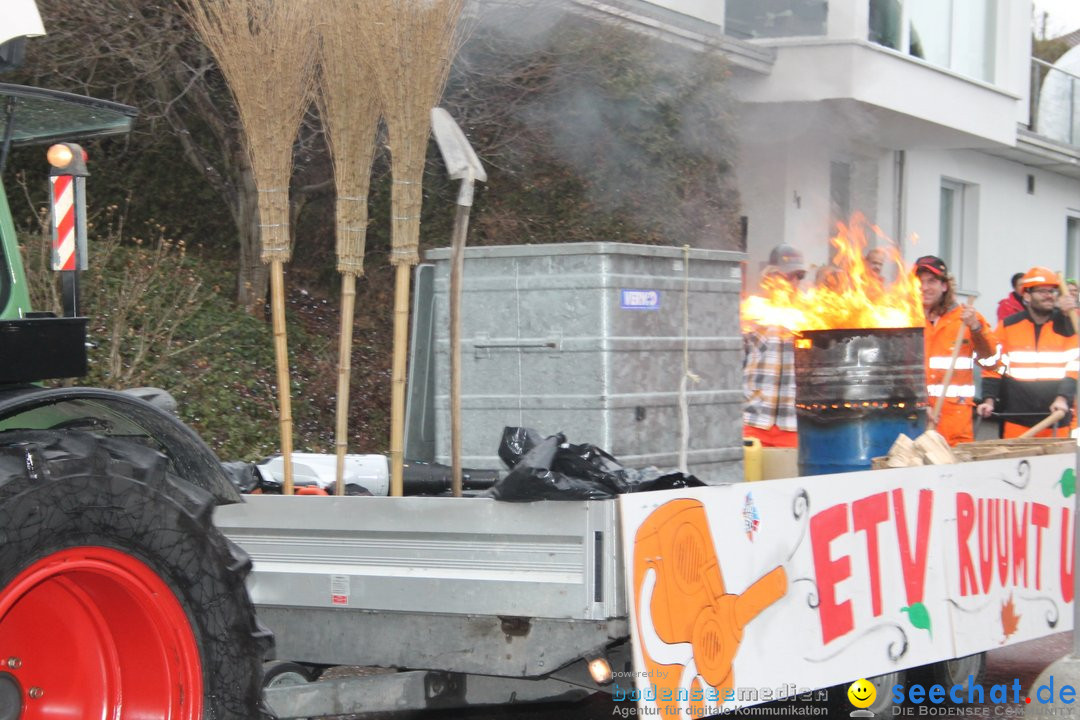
[(411, 45), (349, 107), (266, 51)]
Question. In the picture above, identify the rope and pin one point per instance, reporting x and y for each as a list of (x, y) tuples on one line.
[(688, 374)]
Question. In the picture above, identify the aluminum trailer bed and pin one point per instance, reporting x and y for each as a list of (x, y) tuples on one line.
[(464, 587)]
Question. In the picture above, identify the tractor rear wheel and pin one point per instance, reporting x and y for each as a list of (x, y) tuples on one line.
[(118, 597)]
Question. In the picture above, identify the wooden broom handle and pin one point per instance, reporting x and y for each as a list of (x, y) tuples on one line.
[(936, 417), (1044, 423)]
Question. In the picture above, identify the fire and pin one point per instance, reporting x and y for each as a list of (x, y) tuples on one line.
[(848, 295)]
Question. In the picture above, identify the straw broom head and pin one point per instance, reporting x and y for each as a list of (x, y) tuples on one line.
[(266, 51), (349, 106), (412, 44)]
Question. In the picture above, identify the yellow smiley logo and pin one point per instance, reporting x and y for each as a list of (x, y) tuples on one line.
[(861, 693)]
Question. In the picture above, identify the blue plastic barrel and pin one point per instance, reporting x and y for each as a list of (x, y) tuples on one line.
[(855, 392)]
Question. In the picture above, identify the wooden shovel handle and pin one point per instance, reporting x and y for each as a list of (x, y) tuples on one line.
[(1044, 423), (949, 372)]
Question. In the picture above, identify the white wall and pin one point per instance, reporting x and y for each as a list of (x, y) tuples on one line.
[(1016, 230)]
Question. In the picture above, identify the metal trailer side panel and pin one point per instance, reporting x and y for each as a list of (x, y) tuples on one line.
[(428, 577)]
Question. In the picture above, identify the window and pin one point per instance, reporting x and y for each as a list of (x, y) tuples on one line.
[(955, 34), (958, 231), (1072, 247)]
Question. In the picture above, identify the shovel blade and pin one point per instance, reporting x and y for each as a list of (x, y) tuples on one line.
[(458, 154)]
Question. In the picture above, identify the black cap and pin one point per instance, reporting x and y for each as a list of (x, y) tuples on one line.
[(931, 264)]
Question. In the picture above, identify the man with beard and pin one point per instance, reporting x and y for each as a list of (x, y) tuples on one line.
[(1037, 371), (944, 320)]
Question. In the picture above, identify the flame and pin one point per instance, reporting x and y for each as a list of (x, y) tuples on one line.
[(848, 295)]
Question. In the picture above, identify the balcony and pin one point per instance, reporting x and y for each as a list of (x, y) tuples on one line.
[(1055, 103), (914, 73)]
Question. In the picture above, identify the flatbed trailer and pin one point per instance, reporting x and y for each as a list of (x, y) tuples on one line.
[(474, 601), (475, 588)]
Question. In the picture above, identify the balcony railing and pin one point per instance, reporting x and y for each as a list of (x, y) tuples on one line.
[(1055, 102)]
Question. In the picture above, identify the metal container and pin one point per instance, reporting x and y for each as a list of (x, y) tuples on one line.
[(587, 339), (855, 392)]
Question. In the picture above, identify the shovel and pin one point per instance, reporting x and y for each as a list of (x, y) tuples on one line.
[(935, 416), (1046, 422), (461, 164)]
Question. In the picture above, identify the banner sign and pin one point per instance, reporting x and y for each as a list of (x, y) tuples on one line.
[(812, 582)]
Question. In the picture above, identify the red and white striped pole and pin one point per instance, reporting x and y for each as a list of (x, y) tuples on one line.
[(63, 225), (68, 201)]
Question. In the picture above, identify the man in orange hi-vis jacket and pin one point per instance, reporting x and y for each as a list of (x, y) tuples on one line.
[(1039, 359), (944, 320)]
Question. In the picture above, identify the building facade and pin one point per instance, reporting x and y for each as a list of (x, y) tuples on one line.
[(931, 117)]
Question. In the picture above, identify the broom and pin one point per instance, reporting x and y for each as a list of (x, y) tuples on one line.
[(411, 43), (350, 112), (266, 51)]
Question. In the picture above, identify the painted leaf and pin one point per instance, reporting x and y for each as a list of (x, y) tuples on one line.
[(1068, 482), (919, 616), (1010, 620)]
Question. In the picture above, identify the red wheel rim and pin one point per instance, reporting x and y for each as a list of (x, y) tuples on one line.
[(92, 632)]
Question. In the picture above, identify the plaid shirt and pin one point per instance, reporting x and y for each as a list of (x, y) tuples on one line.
[(769, 378)]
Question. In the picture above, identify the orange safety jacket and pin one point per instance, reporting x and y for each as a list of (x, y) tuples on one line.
[(975, 347), (1037, 364)]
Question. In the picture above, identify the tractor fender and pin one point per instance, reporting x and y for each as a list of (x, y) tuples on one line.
[(192, 458)]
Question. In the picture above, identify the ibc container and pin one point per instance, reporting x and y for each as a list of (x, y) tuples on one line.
[(587, 339)]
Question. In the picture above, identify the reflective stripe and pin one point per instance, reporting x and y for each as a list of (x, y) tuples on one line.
[(1043, 373), (942, 363), (1045, 358), (989, 361), (965, 391)]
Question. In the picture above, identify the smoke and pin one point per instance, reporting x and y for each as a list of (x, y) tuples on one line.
[(645, 125)]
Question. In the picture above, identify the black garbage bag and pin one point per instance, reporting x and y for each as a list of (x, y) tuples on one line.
[(553, 469), (516, 443)]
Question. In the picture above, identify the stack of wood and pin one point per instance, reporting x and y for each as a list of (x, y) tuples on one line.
[(1017, 447), (931, 449)]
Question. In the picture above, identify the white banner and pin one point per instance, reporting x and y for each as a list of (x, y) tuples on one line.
[(754, 591)]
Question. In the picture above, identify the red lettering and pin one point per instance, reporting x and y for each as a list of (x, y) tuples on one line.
[(1068, 560), (1001, 517), (914, 567), (867, 514), (826, 526), (1019, 546), (965, 522), (986, 542), (1040, 518)]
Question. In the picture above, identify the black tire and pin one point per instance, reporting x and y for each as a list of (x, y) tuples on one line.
[(883, 703), (68, 492), (282, 673), (951, 672)]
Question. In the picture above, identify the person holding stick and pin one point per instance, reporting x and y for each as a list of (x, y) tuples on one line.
[(956, 337), (1037, 372)]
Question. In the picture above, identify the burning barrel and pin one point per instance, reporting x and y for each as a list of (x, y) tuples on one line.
[(855, 392)]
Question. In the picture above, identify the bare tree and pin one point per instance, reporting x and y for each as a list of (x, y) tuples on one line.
[(144, 53)]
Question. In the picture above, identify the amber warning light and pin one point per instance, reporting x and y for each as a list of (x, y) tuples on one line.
[(67, 159)]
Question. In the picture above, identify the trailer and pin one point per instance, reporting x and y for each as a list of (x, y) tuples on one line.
[(748, 592)]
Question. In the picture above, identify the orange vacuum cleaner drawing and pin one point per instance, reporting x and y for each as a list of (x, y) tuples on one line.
[(689, 626)]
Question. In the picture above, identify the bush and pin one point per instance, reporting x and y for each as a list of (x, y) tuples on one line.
[(158, 318)]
